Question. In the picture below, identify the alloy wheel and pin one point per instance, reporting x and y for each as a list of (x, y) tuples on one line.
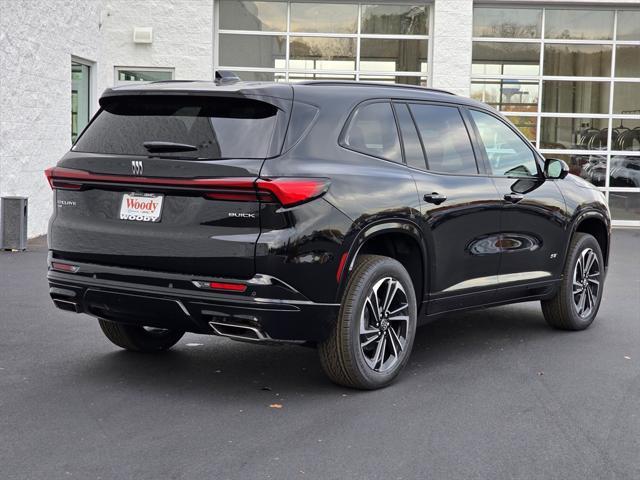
[(384, 324), (586, 283)]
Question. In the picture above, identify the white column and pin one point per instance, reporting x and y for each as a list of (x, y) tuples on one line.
[(452, 32)]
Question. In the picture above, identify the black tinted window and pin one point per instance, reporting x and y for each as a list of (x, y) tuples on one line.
[(412, 148), (373, 131), (445, 139), (217, 127)]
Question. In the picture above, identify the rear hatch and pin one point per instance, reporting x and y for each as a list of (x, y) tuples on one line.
[(166, 180)]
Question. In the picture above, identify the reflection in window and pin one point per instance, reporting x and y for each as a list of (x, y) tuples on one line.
[(625, 205), (507, 153), (261, 76), (625, 171), (626, 134), (505, 58), (301, 77), (575, 97), (526, 125), (628, 25), (574, 133), (252, 50), (324, 18), (507, 22), (626, 98), (373, 131), (445, 139), (394, 19), (507, 95), (628, 61), (579, 24), (577, 60), (593, 168), (378, 55), (79, 98), (261, 16), (322, 53)]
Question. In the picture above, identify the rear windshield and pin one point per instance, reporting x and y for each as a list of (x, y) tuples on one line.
[(216, 127)]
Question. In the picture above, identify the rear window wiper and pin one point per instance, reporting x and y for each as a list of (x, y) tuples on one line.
[(160, 147)]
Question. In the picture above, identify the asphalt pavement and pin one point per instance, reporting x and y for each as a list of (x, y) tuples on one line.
[(491, 394)]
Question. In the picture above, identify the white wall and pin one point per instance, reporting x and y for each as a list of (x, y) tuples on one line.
[(182, 37), (37, 40)]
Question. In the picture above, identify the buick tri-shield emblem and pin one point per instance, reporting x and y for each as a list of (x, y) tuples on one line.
[(137, 167)]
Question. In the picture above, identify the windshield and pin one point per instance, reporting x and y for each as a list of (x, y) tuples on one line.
[(193, 127)]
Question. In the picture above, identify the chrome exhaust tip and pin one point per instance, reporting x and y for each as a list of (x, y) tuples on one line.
[(237, 331), (67, 305)]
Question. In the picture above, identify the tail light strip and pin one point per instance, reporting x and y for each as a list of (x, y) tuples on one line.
[(286, 190)]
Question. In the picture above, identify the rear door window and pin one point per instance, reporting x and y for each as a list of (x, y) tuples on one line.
[(373, 131), (413, 153), (445, 139), (217, 127)]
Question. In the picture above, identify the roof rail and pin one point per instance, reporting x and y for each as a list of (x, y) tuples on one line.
[(353, 83)]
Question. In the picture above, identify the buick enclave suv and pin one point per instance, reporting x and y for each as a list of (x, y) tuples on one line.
[(332, 214)]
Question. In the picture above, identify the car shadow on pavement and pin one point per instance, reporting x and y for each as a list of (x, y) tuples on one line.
[(210, 366)]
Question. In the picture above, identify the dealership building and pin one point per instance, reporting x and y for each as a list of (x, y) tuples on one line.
[(567, 73)]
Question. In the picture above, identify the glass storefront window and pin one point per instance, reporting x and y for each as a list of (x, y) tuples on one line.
[(570, 60), (260, 16), (322, 53), (626, 98), (262, 76), (575, 97), (80, 86), (579, 24), (507, 22), (626, 134), (382, 55), (625, 205), (592, 168), (628, 61), (125, 75), (628, 25), (324, 18), (405, 79), (395, 19), (581, 96), (505, 58), (507, 95), (265, 51), (574, 133)]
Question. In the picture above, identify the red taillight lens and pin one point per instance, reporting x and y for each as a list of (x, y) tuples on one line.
[(293, 191), (231, 287), (54, 182), (64, 267)]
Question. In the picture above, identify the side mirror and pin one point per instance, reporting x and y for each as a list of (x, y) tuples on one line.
[(555, 168)]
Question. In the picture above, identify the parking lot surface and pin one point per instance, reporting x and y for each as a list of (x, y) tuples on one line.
[(491, 394)]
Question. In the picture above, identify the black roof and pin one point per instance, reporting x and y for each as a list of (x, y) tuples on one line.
[(352, 89)]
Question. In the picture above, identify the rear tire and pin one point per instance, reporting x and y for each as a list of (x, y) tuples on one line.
[(139, 339), (577, 301), (373, 336)]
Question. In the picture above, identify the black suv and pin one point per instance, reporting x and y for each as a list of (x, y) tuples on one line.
[(335, 214)]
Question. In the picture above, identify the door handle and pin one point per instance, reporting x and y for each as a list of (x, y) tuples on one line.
[(513, 197), (435, 198)]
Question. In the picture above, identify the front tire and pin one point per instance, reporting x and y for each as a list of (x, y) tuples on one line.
[(140, 339), (576, 303), (373, 336)]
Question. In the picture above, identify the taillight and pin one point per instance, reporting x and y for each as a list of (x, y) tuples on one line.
[(65, 267), (293, 191), (287, 191)]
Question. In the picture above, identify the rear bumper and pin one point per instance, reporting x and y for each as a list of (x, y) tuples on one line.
[(269, 308)]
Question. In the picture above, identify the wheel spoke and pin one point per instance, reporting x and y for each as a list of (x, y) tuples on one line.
[(370, 340), (372, 309), (399, 309), (379, 356), (577, 287), (581, 302), (399, 318), (589, 260), (393, 336), (395, 287)]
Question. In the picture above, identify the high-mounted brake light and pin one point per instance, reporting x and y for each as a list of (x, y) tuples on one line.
[(287, 191)]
